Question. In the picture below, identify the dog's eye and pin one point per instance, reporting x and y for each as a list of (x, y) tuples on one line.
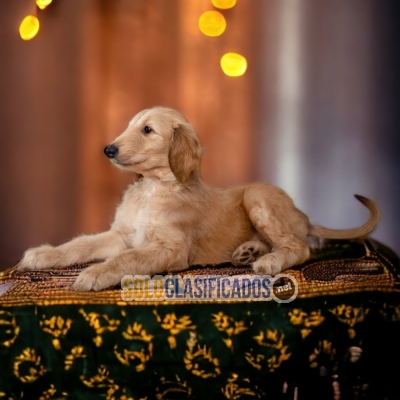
[(147, 129)]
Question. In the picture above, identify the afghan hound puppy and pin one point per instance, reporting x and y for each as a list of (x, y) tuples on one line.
[(169, 219)]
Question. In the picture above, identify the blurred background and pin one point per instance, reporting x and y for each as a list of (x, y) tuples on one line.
[(316, 112)]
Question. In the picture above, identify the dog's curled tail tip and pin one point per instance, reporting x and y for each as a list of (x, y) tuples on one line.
[(363, 199), (368, 227), (371, 205)]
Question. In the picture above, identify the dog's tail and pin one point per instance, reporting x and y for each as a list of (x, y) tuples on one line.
[(320, 231)]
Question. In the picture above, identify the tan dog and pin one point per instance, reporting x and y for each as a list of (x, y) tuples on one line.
[(169, 219)]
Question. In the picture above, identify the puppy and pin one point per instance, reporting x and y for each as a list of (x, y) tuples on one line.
[(169, 219)]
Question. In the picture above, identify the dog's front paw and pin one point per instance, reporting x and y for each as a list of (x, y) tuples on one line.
[(96, 277), (270, 264), (42, 257)]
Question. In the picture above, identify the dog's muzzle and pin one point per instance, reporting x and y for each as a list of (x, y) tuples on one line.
[(111, 151)]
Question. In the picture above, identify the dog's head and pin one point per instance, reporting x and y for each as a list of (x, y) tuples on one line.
[(158, 141)]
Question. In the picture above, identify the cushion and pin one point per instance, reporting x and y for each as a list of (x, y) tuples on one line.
[(338, 338)]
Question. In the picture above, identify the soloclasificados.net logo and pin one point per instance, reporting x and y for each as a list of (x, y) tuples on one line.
[(282, 288)]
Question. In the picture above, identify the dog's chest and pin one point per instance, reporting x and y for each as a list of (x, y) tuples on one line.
[(138, 214)]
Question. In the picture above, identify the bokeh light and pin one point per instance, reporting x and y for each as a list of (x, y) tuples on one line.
[(223, 4), (42, 4), (233, 64), (212, 23), (29, 27)]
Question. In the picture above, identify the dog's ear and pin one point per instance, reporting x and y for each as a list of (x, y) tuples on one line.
[(184, 152)]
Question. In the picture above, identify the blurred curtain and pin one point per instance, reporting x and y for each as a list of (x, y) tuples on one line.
[(331, 125), (316, 112), (67, 93)]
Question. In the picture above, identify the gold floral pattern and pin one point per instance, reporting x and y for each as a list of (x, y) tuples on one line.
[(229, 326), (142, 351), (168, 388), (100, 380), (142, 336), (277, 352), (56, 326), (101, 323), (174, 325), (201, 363), (117, 393), (27, 367), (76, 352), (390, 312), (307, 320), (50, 392), (350, 316), (9, 329), (235, 389), (324, 347), (270, 338)]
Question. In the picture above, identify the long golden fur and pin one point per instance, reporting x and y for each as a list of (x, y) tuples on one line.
[(169, 219)]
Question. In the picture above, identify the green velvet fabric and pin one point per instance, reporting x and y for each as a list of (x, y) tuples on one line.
[(213, 351)]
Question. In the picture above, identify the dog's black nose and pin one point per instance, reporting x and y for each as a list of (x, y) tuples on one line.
[(111, 151)]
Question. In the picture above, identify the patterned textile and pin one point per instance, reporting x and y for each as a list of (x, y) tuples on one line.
[(339, 339)]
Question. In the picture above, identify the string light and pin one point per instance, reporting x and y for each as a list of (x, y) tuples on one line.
[(42, 4), (223, 4), (29, 27), (233, 64), (212, 23)]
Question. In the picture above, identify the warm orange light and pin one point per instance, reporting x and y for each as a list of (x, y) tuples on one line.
[(233, 64), (29, 27), (42, 4), (223, 4), (212, 23)]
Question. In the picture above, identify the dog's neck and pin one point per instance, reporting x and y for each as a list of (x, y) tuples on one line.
[(168, 177)]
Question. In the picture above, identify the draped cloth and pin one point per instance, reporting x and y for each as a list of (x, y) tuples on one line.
[(340, 333)]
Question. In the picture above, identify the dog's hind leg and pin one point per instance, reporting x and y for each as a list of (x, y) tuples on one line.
[(281, 224), (249, 252), (287, 251)]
